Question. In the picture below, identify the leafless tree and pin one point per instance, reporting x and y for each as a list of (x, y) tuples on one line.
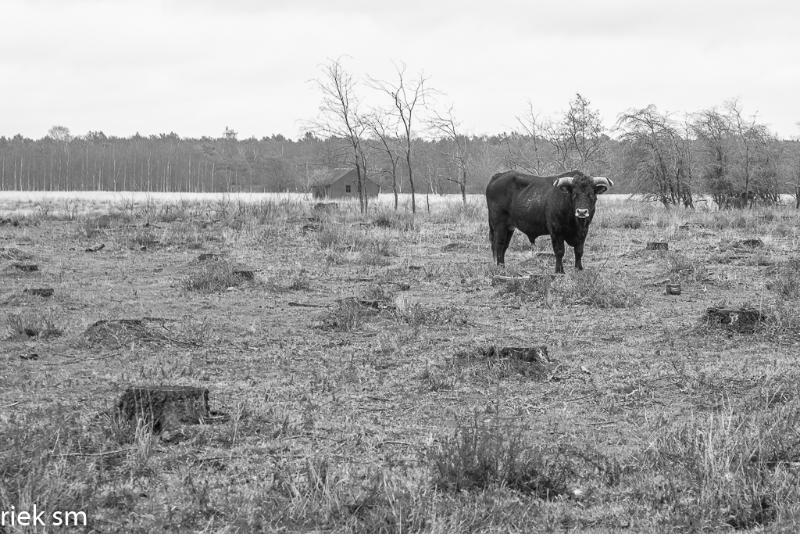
[(447, 126), (340, 118), (385, 137), (578, 137), (659, 154), (533, 127), (406, 95), (740, 162)]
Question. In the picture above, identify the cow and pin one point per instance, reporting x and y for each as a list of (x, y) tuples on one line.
[(559, 206)]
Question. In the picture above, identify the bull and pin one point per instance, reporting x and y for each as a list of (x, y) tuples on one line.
[(559, 206)]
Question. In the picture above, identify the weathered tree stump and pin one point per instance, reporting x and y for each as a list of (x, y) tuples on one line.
[(12, 253), (657, 245), (164, 407), (499, 279), (121, 332), (750, 243), (25, 267), (673, 288), (244, 273), (533, 362), (745, 319), (311, 227), (453, 246), (44, 292), (96, 248), (525, 354), (209, 256)]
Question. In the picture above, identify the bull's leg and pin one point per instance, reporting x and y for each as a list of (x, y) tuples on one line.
[(502, 236), (558, 250), (491, 240), (578, 255)]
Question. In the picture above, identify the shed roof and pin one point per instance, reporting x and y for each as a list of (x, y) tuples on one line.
[(324, 177)]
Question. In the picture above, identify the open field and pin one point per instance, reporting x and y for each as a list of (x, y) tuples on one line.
[(356, 379)]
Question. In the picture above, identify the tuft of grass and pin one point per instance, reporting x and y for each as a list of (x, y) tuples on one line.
[(684, 268), (300, 281), (347, 316), (599, 291), (396, 220), (32, 324), (786, 282), (723, 470), (477, 457)]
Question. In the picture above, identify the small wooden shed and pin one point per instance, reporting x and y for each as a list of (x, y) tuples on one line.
[(343, 183)]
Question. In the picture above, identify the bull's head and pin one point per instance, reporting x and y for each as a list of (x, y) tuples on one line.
[(583, 192)]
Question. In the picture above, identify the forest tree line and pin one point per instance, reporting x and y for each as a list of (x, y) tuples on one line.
[(720, 152)]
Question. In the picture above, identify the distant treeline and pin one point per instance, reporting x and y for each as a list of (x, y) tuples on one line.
[(167, 162)]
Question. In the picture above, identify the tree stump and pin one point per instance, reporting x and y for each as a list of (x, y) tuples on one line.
[(744, 320), (500, 279), (533, 362), (673, 289), (750, 243), (164, 407), (657, 245), (244, 273), (44, 292), (25, 267), (524, 354), (453, 246), (12, 253), (209, 256)]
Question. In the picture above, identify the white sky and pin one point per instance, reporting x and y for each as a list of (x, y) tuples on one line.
[(196, 66)]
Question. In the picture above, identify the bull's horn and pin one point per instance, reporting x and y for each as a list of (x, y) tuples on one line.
[(564, 180), (602, 180)]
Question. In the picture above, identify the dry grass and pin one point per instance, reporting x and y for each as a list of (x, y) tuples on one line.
[(350, 406)]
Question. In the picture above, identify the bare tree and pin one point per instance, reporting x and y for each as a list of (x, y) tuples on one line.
[(406, 96), (340, 118), (449, 128), (533, 127), (659, 155), (578, 137), (740, 160), (385, 140)]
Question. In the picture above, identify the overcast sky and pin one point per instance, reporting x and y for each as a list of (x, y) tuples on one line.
[(197, 66)]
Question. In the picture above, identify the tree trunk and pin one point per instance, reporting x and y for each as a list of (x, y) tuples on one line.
[(411, 181)]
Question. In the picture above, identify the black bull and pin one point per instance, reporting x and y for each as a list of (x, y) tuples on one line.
[(559, 206)]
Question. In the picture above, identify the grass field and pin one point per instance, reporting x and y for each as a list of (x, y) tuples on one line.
[(357, 381)]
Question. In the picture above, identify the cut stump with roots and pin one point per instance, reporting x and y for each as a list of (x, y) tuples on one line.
[(43, 292), (673, 289), (744, 320), (524, 354), (164, 407), (25, 267), (209, 256)]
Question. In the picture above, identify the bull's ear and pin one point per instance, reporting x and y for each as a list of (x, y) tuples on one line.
[(601, 184)]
